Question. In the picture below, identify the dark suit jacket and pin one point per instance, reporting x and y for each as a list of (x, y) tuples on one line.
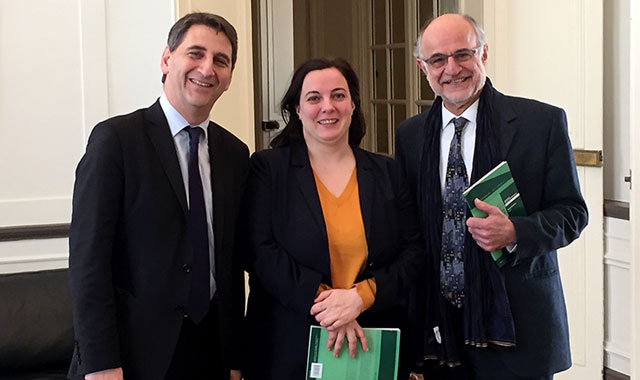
[(533, 139), (290, 254), (129, 253)]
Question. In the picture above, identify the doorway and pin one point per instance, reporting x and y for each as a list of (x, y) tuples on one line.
[(377, 37)]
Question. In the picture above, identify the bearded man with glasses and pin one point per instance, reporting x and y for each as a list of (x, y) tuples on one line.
[(474, 319)]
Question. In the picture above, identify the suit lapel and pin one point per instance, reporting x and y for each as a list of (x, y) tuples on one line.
[(502, 117), (301, 167), (364, 174), (160, 135), (219, 171)]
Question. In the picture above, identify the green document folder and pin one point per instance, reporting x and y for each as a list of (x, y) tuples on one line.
[(380, 363), (498, 189)]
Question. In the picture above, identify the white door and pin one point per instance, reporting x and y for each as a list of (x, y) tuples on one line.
[(276, 57), (552, 51), (635, 189)]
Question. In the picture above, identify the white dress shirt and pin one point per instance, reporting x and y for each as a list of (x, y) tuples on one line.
[(468, 142), (181, 140)]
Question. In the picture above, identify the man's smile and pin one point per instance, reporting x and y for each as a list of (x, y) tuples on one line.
[(200, 83)]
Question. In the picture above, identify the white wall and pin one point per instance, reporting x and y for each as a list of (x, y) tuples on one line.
[(634, 126), (136, 36), (617, 150), (64, 66), (40, 109), (617, 260), (616, 99)]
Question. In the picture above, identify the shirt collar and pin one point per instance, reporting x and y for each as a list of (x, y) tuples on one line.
[(176, 121), (470, 114)]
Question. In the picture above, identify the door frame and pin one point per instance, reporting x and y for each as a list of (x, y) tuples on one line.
[(634, 210), (273, 49)]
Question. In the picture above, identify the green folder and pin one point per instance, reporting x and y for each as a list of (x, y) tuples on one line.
[(497, 188), (379, 363)]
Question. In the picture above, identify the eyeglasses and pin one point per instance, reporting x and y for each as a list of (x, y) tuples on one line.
[(438, 60)]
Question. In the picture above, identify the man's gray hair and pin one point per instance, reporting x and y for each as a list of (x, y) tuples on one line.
[(480, 36)]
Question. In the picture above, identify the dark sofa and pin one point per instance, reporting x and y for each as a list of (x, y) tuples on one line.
[(36, 327)]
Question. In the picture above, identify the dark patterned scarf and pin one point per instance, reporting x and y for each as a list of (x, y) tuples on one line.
[(486, 312)]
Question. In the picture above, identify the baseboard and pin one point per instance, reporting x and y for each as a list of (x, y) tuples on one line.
[(610, 374)]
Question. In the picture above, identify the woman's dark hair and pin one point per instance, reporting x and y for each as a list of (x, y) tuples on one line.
[(292, 131)]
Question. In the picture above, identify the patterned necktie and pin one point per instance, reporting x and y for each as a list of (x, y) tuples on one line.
[(198, 304), (453, 221)]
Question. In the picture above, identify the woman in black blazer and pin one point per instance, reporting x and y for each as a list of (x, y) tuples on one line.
[(312, 260)]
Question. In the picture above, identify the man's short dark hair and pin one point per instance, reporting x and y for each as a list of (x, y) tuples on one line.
[(215, 22)]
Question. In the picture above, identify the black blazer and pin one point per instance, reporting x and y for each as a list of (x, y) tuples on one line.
[(129, 256), (290, 255), (533, 139)]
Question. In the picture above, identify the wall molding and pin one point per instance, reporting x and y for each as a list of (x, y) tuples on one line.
[(31, 259), (615, 349), (617, 260), (617, 263), (40, 231)]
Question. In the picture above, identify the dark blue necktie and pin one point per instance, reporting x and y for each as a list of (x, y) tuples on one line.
[(199, 298), (453, 221)]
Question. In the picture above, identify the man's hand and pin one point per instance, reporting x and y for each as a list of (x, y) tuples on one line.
[(335, 308), (107, 374), (495, 231), (235, 374), (353, 332)]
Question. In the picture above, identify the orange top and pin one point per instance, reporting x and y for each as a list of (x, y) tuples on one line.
[(348, 249)]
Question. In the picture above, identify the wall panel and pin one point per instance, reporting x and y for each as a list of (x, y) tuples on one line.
[(41, 102), (617, 259), (66, 65)]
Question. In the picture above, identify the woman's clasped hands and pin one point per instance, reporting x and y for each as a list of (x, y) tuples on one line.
[(337, 310)]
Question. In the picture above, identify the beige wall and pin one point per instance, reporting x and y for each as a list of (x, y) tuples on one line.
[(234, 110)]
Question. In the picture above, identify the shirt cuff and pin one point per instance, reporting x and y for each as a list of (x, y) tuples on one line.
[(97, 372), (322, 288)]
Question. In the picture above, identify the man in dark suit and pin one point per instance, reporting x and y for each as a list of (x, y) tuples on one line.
[(483, 321), (157, 291)]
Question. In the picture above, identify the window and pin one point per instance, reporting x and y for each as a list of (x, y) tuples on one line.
[(397, 89)]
